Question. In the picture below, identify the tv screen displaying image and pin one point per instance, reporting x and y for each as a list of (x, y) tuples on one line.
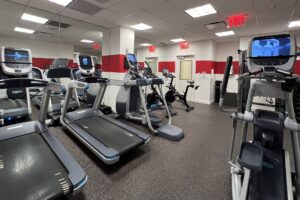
[(16, 56), (271, 47), (132, 59), (85, 62)]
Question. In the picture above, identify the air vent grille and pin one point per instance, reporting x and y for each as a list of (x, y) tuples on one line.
[(58, 24), (85, 7), (216, 25)]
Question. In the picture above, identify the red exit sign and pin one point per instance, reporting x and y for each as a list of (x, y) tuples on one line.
[(236, 21)]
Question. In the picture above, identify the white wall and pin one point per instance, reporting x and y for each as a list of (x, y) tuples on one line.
[(225, 49), (39, 49), (203, 51)]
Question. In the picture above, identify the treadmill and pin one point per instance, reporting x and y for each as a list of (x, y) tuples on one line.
[(33, 163), (58, 71), (16, 103), (106, 137)]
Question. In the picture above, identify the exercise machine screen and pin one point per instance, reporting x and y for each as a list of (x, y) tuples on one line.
[(132, 59), (85, 62), (16, 56), (279, 46)]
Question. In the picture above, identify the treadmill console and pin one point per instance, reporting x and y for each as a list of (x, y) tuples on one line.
[(131, 62), (86, 64), (15, 61), (271, 53)]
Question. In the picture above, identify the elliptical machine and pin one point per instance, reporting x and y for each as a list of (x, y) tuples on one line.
[(173, 95), (262, 169), (131, 102)]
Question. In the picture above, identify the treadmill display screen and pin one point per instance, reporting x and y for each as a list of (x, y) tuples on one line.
[(85, 62), (132, 59), (16, 56), (276, 46)]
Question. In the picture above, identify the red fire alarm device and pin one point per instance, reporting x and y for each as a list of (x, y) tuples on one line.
[(236, 21), (96, 46), (184, 45), (152, 48)]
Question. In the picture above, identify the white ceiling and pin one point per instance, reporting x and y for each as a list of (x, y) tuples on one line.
[(167, 18)]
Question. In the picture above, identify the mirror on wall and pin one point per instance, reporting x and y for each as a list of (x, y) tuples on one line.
[(48, 35)]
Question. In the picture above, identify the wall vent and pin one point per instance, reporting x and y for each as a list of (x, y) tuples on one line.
[(58, 24), (216, 25), (85, 7)]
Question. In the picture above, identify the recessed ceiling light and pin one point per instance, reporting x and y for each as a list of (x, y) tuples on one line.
[(294, 24), (178, 40), (87, 41), (34, 18), (141, 26), (24, 30), (61, 2), (145, 45), (225, 33), (76, 53), (200, 11)]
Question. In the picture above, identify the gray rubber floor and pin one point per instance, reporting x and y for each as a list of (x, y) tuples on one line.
[(194, 168)]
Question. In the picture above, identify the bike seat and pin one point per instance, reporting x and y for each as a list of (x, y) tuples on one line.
[(191, 82)]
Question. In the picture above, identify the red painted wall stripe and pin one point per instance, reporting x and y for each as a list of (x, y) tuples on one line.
[(142, 64), (220, 67), (44, 63), (169, 65), (204, 66), (297, 67), (113, 63)]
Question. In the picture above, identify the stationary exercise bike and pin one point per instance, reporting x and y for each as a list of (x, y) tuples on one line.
[(262, 168), (173, 95)]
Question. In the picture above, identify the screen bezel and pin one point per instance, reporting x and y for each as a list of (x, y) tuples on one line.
[(270, 37), (128, 55), (28, 61), (85, 67)]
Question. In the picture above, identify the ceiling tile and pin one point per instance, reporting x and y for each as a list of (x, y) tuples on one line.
[(108, 15), (145, 4), (46, 6), (124, 9), (68, 12)]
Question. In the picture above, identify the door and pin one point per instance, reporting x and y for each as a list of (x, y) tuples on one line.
[(186, 70), (153, 66)]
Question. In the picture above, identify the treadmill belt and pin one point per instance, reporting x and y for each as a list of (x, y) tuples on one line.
[(8, 104), (56, 99), (29, 170), (270, 183), (109, 134)]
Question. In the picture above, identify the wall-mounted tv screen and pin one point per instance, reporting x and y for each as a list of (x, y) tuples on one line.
[(276, 46)]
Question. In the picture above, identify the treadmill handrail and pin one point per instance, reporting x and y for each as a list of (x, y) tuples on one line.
[(138, 82), (77, 84)]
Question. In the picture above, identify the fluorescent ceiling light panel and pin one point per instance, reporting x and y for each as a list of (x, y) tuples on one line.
[(225, 33), (294, 24), (201, 11), (61, 2), (141, 26), (145, 45), (87, 41), (34, 18), (178, 40), (24, 30)]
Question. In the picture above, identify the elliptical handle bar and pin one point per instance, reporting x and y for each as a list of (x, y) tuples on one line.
[(248, 74), (224, 85), (226, 76)]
